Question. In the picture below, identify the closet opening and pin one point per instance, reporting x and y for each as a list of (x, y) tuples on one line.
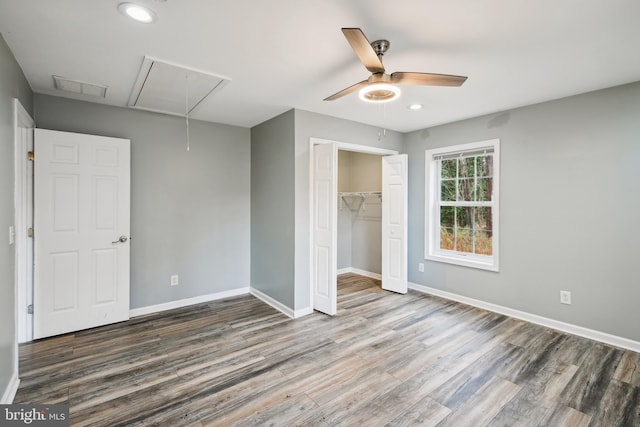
[(359, 214), (359, 224)]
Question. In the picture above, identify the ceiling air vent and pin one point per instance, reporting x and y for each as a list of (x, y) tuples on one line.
[(77, 86), (172, 89)]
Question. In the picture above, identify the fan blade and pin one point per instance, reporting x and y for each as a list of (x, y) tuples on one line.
[(347, 91), (363, 49), (427, 79)]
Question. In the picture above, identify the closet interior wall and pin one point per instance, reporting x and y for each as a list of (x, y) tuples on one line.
[(359, 217)]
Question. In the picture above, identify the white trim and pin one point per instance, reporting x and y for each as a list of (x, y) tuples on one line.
[(23, 281), (302, 312), (294, 314), (135, 312), (273, 303), (310, 224), (367, 273), (534, 318), (347, 146), (364, 273), (10, 392)]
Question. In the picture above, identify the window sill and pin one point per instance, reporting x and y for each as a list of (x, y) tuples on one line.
[(465, 261)]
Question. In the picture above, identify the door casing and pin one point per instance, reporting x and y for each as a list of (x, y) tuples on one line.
[(23, 143)]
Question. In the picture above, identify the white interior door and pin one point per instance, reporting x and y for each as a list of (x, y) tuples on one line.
[(394, 223), (81, 229), (325, 223)]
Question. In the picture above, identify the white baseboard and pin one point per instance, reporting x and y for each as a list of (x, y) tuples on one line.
[(294, 314), (10, 392), (534, 318), (186, 302), (366, 273), (360, 272), (273, 303)]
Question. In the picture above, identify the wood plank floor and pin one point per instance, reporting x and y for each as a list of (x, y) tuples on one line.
[(385, 359)]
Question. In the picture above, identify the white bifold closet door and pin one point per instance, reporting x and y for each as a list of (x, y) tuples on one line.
[(81, 231), (394, 223), (325, 228)]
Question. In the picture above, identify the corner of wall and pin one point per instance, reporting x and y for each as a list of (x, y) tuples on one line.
[(11, 389)]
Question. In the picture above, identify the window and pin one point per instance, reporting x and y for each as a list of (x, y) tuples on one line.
[(462, 192)]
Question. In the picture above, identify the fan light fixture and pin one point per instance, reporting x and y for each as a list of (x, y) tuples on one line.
[(379, 92), (137, 13)]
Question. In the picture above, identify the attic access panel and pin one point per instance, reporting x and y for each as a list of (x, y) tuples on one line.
[(172, 89)]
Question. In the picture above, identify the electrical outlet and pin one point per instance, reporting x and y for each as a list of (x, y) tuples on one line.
[(174, 280), (565, 297), (421, 267)]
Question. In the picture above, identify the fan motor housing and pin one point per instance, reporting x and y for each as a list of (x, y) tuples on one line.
[(380, 46)]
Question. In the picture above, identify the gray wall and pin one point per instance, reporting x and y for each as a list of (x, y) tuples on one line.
[(344, 214), (360, 227), (366, 172), (12, 85), (309, 125), (190, 211), (366, 236), (345, 221), (272, 208), (569, 210)]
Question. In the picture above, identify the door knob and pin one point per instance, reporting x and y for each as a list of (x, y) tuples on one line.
[(122, 239)]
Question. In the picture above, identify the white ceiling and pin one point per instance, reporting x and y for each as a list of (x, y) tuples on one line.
[(283, 54)]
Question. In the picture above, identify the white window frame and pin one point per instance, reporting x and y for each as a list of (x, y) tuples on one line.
[(432, 196)]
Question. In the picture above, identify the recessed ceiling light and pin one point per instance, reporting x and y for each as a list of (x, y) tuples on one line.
[(415, 107), (138, 13), (379, 92)]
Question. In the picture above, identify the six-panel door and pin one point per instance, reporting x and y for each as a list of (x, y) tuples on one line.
[(82, 209)]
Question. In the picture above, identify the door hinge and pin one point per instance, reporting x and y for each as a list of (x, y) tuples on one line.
[(30, 232), (30, 309), (30, 155)]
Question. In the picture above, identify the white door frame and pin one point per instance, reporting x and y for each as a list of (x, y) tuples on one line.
[(23, 205), (344, 146)]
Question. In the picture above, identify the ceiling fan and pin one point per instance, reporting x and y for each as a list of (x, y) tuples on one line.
[(379, 87)]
